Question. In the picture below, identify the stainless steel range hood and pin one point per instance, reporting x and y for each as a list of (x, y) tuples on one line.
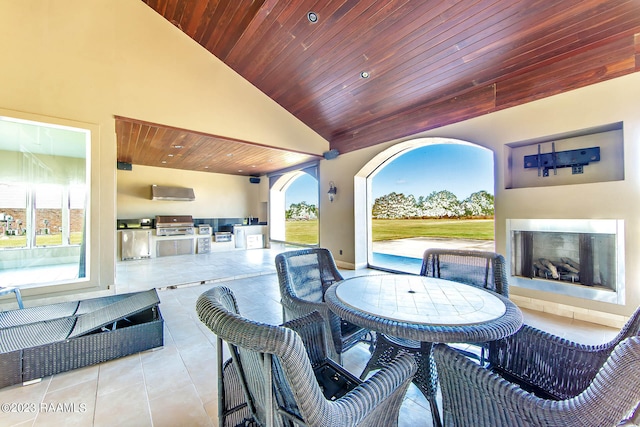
[(161, 192)]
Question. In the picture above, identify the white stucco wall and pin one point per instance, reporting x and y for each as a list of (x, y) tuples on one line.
[(608, 102), (86, 61), (217, 195)]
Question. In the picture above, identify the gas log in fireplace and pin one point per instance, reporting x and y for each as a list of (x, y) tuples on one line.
[(579, 258)]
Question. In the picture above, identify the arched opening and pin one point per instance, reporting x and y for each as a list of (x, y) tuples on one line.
[(294, 208), (427, 192)]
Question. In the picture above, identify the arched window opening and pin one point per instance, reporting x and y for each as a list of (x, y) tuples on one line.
[(294, 209), (301, 214), (432, 192)]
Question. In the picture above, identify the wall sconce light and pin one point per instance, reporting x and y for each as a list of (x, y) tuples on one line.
[(332, 191)]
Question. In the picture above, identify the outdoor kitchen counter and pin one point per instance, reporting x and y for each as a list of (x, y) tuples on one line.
[(244, 237), (159, 245)]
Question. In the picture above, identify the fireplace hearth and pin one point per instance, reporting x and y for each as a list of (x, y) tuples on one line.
[(579, 258)]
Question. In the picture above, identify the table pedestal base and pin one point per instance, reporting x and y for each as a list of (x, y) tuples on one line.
[(426, 378)]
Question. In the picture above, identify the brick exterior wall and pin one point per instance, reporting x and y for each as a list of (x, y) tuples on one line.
[(54, 216)]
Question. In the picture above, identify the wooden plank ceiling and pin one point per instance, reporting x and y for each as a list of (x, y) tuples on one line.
[(430, 63), (151, 144)]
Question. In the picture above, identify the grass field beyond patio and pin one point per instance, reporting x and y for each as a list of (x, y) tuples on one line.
[(305, 232), (41, 240), (391, 229)]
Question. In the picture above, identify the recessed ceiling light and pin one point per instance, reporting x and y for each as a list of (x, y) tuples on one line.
[(164, 161), (230, 155), (170, 155), (239, 170), (364, 74), (178, 146), (312, 17)]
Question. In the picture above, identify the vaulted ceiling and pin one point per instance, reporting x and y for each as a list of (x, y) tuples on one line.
[(430, 62)]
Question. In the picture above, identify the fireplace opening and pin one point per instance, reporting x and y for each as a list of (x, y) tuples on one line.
[(580, 258)]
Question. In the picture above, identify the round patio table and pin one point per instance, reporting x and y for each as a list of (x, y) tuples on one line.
[(424, 309)]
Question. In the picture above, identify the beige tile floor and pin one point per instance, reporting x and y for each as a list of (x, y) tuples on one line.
[(176, 384)]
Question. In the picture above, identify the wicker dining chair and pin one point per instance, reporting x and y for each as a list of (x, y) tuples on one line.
[(473, 395), (482, 269), (553, 366), (303, 276), (272, 378)]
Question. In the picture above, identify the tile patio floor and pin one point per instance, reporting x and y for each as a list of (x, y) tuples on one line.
[(176, 385)]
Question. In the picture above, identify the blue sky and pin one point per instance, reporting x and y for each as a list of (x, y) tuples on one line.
[(303, 189), (461, 169)]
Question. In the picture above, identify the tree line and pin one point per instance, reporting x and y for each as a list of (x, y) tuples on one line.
[(301, 211), (438, 204)]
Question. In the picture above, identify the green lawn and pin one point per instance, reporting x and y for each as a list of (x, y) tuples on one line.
[(391, 229), (41, 240), (305, 232)]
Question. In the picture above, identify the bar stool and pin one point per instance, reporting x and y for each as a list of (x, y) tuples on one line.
[(9, 289)]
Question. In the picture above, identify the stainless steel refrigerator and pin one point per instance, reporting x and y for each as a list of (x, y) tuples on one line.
[(136, 244)]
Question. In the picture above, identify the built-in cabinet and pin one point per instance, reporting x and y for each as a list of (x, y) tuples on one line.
[(173, 246), (239, 232), (204, 245)]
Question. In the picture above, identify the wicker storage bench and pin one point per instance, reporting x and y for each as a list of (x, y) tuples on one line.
[(41, 341)]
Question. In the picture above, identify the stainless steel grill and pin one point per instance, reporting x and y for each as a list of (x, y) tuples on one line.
[(174, 225)]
